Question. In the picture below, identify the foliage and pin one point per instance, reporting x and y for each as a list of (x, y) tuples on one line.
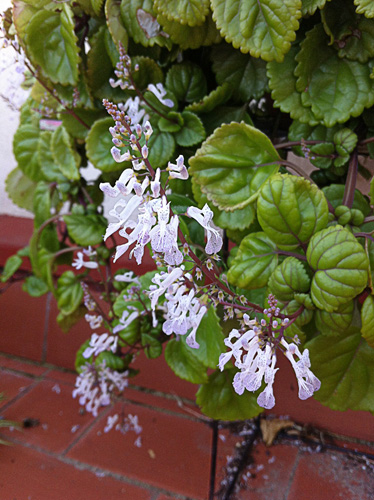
[(242, 84)]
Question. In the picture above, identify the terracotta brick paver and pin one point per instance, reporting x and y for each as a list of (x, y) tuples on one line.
[(66, 455)]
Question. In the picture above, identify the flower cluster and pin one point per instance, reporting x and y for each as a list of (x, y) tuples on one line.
[(254, 350), (96, 385)]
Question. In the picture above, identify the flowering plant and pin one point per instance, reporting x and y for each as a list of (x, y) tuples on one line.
[(178, 123)]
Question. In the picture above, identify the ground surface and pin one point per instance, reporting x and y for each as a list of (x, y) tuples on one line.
[(64, 452)]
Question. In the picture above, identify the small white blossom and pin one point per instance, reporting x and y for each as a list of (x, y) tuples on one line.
[(159, 91), (100, 343), (178, 171), (128, 277), (78, 263), (95, 321), (204, 218)]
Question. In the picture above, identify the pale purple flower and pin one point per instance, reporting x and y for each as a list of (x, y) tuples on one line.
[(159, 91), (178, 171), (204, 218)]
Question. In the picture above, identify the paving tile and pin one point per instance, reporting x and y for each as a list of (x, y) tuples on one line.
[(174, 455), (29, 475), (267, 475), (173, 403), (22, 323), (357, 424), (61, 376), (22, 366), (327, 476), (62, 347), (12, 385), (57, 412), (156, 374)]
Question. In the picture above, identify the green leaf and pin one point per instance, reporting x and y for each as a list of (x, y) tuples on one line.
[(184, 363), (23, 11), (53, 44), (161, 148), (282, 83), (289, 278), (42, 203), (226, 166), (215, 98), (218, 399), (149, 72), (265, 28), (11, 265), (191, 12), (152, 345), (245, 73), (225, 114), (340, 265), (111, 361), (34, 286), (49, 168), (192, 132), (69, 292), (100, 69), (301, 131), (98, 146), (310, 6), (367, 319), (335, 88), (335, 194), (237, 219), (97, 6), (130, 18), (74, 127), (190, 37), (20, 189), (337, 322), (80, 361), (351, 34), (210, 338), (345, 367), (187, 82), (345, 141), (114, 23), (25, 148), (365, 7), (255, 261), (67, 321), (290, 210), (86, 229), (64, 155)]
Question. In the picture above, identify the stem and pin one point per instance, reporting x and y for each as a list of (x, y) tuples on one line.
[(290, 144), (68, 110), (364, 235), (213, 459), (350, 185), (292, 254)]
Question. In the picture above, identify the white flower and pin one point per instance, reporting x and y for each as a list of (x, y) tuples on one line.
[(123, 185), (159, 91), (308, 383), (78, 263), (128, 277), (162, 281), (93, 320), (123, 216), (178, 171), (117, 157), (100, 343), (126, 319), (204, 218)]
